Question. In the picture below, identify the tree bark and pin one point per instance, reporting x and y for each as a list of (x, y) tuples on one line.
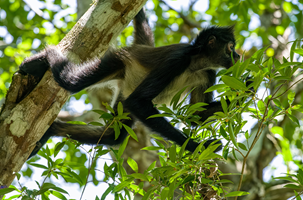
[(27, 112)]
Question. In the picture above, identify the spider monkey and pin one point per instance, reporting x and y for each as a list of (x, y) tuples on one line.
[(149, 75)]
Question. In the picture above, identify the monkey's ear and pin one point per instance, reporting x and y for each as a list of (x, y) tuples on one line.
[(212, 41)]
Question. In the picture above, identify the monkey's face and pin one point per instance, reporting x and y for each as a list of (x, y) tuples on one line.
[(224, 54), (217, 46)]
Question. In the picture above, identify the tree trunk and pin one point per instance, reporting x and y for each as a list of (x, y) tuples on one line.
[(27, 112)]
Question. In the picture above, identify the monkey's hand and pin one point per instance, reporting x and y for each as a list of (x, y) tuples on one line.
[(35, 65)]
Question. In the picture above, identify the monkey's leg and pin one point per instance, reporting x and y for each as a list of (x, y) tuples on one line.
[(70, 76), (75, 78), (35, 65)]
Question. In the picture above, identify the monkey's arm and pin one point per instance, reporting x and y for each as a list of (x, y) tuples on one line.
[(143, 33), (140, 101)]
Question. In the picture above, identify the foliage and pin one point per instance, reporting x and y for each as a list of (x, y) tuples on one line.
[(195, 175)]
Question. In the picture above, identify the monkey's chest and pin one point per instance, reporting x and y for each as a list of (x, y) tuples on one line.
[(187, 79), (136, 74)]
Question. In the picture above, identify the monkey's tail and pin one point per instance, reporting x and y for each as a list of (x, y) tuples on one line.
[(87, 134)]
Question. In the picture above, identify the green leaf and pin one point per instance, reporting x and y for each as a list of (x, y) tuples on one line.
[(236, 69), (225, 153), (166, 109), (151, 148), (234, 154), (122, 185), (196, 152), (58, 147), (160, 115), (261, 106), (58, 195), (282, 78), (6, 191), (294, 119), (152, 166), (122, 147), (291, 96), (243, 67), (100, 112), (108, 107), (106, 116), (148, 193), (120, 108), (232, 134), (164, 193), (117, 130), (269, 64), (176, 98), (215, 87), (172, 153), (236, 194), (298, 51), (196, 106), (96, 123), (298, 197), (76, 122), (183, 148), (224, 105), (139, 176), (278, 103), (132, 164), (257, 55), (242, 146), (293, 46), (209, 152), (131, 132), (38, 165), (223, 132), (277, 130), (300, 176), (76, 176), (233, 82), (287, 178), (47, 186), (107, 191), (286, 64)]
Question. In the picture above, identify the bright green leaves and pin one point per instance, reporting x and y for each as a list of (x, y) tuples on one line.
[(113, 120), (296, 182), (233, 83)]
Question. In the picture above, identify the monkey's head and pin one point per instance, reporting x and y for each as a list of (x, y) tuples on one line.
[(217, 44)]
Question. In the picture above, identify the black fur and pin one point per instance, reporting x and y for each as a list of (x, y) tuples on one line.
[(148, 75)]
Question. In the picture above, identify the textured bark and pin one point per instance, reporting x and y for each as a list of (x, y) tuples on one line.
[(28, 112)]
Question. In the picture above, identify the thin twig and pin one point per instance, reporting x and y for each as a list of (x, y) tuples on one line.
[(90, 164), (287, 89)]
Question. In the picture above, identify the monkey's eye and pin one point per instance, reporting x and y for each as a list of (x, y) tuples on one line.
[(230, 47)]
